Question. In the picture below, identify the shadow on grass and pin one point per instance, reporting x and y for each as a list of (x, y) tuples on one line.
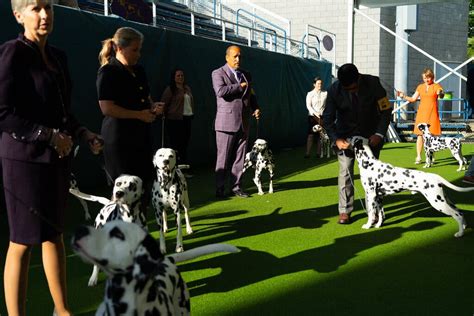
[(251, 266)]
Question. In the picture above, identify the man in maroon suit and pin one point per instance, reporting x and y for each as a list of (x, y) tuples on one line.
[(236, 102)]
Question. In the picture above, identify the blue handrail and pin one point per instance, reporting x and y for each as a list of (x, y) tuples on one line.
[(464, 111), (263, 20)]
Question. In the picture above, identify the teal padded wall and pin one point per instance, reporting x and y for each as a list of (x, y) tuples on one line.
[(280, 81)]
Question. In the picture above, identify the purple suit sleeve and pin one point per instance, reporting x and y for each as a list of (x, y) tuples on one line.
[(221, 88)]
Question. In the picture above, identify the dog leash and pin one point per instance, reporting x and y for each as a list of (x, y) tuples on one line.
[(356, 193), (163, 131)]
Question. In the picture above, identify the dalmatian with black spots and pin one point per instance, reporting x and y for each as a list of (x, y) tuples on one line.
[(260, 158), (140, 279), (432, 144), (170, 192), (324, 140), (380, 179), (125, 205)]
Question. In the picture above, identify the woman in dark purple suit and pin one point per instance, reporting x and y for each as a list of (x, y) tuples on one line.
[(38, 130)]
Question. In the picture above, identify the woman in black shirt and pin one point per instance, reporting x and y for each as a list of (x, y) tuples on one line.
[(124, 98)]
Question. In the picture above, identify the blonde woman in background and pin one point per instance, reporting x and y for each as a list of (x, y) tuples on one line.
[(315, 103), (428, 92), (125, 102)]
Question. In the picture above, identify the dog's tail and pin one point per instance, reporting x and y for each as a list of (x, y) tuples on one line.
[(454, 187), (88, 197), (202, 251)]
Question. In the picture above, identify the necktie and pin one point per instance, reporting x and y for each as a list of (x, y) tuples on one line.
[(355, 103), (238, 75)]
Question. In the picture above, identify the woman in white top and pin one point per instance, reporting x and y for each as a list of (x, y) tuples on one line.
[(315, 103)]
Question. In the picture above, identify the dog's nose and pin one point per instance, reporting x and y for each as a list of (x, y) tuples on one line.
[(119, 194), (166, 162)]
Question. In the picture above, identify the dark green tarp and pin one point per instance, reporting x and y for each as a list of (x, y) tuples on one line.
[(280, 81)]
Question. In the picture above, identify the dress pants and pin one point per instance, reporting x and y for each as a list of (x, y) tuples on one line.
[(345, 178)]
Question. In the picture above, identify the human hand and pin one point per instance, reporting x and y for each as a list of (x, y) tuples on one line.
[(342, 144), (400, 94), (158, 108), (62, 143), (256, 114), (440, 92), (96, 143), (374, 140), (243, 85), (146, 115)]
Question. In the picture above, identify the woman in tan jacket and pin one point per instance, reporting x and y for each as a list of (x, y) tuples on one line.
[(179, 112)]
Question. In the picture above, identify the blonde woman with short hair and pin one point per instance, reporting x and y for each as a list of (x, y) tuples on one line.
[(38, 130)]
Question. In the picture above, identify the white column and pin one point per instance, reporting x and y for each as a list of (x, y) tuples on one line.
[(350, 31)]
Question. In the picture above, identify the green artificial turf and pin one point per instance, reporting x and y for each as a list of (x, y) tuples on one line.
[(296, 260)]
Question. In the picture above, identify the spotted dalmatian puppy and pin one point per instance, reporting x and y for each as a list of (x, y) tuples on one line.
[(436, 143), (140, 279), (170, 192), (380, 179), (259, 158), (324, 139), (125, 205)]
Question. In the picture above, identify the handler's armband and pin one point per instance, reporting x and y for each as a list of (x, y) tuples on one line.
[(384, 104)]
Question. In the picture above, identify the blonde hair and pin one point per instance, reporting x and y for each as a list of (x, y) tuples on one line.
[(123, 37), (428, 72), (19, 5)]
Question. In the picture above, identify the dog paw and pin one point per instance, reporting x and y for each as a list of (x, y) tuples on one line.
[(179, 248), (261, 193), (366, 226), (459, 234), (270, 192), (189, 231)]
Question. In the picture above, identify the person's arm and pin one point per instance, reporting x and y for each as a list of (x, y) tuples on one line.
[(385, 109), (106, 90), (411, 99), (329, 115), (309, 105), (11, 122), (109, 108), (221, 88)]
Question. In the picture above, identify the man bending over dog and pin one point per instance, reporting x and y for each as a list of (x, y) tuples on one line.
[(360, 104)]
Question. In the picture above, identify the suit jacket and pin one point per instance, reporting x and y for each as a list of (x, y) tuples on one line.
[(373, 112), (234, 103), (33, 99)]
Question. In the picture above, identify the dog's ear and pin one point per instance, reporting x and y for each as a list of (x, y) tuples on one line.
[(428, 125), (146, 259)]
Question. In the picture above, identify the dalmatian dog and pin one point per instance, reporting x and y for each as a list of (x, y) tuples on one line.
[(170, 192), (436, 143), (124, 205), (140, 279), (259, 158), (324, 139), (380, 179)]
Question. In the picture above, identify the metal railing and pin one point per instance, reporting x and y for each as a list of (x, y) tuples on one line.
[(462, 113), (265, 31)]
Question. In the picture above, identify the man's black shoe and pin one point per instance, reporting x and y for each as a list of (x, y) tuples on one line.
[(241, 194)]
